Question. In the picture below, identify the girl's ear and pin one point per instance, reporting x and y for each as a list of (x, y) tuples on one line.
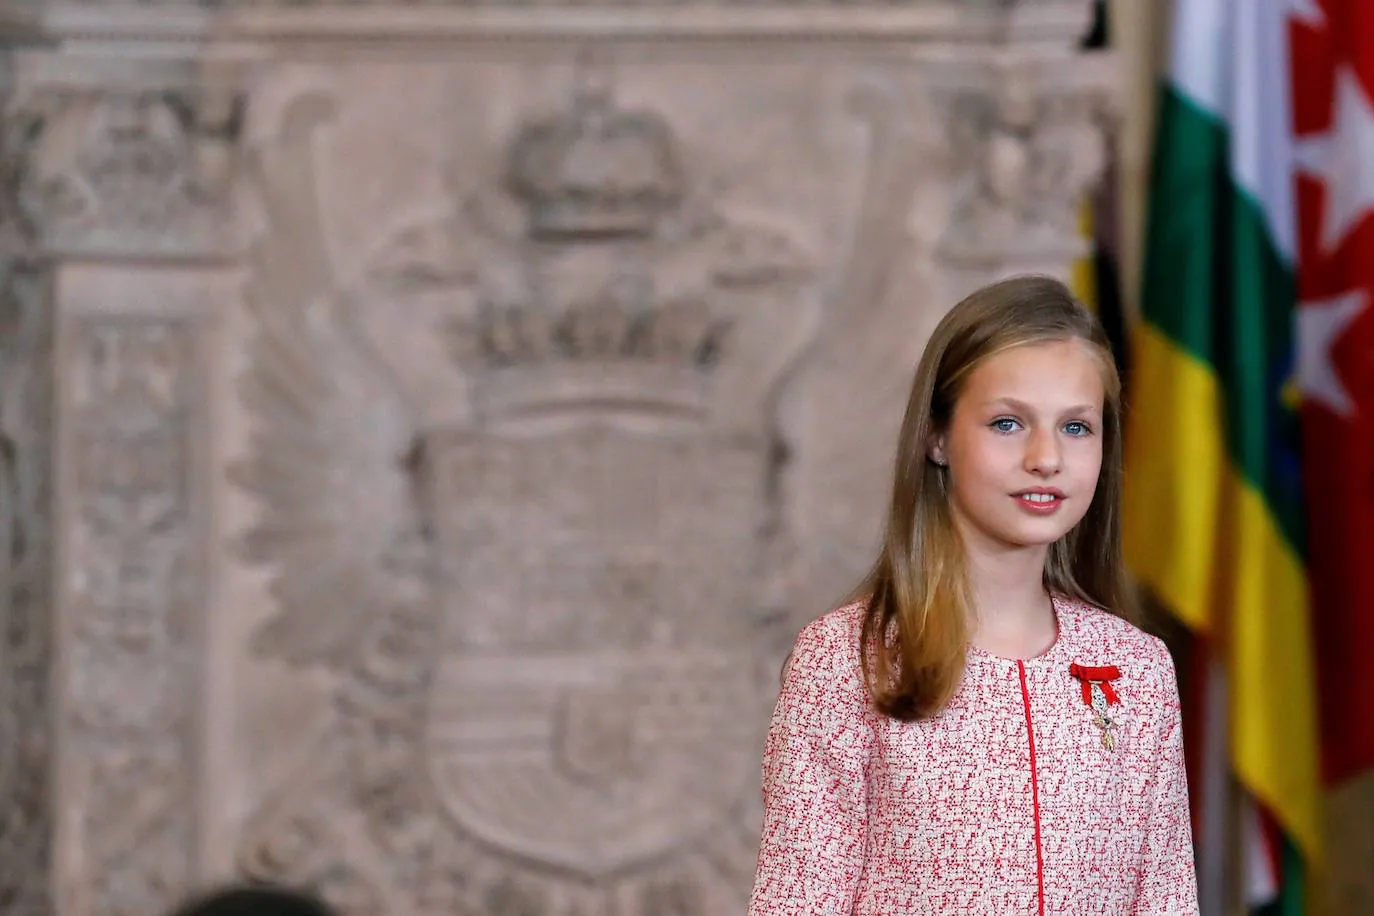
[(935, 449)]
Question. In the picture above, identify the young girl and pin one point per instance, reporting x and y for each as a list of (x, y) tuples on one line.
[(1008, 744)]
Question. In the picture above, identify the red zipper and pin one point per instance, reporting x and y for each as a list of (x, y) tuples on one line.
[(1035, 789)]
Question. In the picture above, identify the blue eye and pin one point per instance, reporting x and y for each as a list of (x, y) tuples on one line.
[(1078, 428), (1005, 425)]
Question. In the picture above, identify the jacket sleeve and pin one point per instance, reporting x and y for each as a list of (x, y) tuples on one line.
[(1168, 885), (815, 790)]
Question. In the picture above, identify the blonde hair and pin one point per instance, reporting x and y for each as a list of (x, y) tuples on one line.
[(915, 629)]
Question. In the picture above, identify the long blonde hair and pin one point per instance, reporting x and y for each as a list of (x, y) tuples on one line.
[(915, 630)]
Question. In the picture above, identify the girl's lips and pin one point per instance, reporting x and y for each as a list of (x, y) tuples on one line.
[(1040, 502)]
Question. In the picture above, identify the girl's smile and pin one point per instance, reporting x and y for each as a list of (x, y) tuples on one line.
[(1040, 500)]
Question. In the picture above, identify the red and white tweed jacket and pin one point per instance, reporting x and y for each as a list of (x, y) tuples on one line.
[(1053, 785)]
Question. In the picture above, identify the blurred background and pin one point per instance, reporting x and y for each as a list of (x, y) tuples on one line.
[(425, 426)]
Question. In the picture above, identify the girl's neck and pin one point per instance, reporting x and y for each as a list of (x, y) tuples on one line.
[(1013, 616)]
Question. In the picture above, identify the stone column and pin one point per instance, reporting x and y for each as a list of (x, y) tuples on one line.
[(125, 177)]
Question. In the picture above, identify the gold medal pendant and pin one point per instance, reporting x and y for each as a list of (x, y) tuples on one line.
[(1108, 739)]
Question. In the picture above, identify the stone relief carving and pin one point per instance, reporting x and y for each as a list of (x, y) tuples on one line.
[(123, 168), (864, 355), (25, 556), (132, 591), (543, 620), (1037, 135)]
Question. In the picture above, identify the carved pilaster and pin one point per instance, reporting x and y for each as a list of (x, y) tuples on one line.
[(1033, 133), (131, 587), (124, 175)]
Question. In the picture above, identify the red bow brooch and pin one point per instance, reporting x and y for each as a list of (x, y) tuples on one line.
[(1099, 696)]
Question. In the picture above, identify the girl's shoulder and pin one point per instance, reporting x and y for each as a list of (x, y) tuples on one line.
[(1103, 638), (831, 641), (1095, 624)]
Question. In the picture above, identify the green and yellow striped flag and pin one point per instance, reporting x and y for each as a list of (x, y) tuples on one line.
[(1095, 279), (1213, 512)]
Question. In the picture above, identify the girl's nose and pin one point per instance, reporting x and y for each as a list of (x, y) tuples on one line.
[(1042, 453)]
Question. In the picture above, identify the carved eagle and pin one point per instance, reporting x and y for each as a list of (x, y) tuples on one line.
[(332, 435)]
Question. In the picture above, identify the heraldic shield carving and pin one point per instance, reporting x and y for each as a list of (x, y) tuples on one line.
[(589, 704), (541, 617)]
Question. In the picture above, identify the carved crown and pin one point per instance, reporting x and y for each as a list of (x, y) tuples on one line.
[(620, 347), (595, 171)]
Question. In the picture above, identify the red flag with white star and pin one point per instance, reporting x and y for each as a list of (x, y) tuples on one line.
[(1333, 113)]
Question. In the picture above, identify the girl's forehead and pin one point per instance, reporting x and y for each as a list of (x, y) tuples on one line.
[(1048, 370), (1072, 356)]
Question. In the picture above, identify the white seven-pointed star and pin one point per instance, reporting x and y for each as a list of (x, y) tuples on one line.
[(1306, 11), (1320, 322), (1344, 159)]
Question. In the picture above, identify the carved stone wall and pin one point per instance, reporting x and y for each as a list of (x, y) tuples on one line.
[(462, 406), (588, 380)]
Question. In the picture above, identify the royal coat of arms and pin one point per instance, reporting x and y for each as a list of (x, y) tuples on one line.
[(542, 616)]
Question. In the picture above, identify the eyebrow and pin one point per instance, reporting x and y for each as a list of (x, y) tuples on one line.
[(1022, 406)]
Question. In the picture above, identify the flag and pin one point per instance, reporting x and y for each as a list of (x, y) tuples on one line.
[(1333, 102), (1096, 276), (1213, 511), (1083, 280)]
